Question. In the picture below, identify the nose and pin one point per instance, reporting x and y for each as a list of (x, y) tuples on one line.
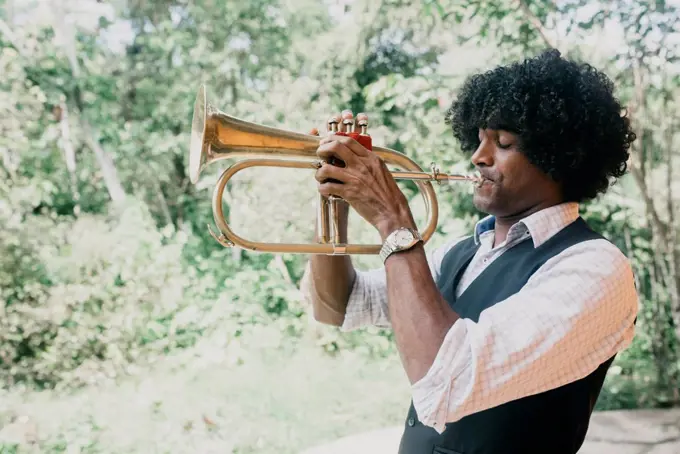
[(483, 155)]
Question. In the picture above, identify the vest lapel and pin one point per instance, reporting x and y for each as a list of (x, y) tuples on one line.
[(468, 256), (480, 294), (453, 266)]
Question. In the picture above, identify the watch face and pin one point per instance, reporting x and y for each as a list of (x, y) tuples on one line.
[(403, 238)]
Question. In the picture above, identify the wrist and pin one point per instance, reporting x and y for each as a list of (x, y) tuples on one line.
[(394, 222)]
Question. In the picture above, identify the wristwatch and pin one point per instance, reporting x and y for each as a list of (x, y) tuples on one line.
[(401, 239)]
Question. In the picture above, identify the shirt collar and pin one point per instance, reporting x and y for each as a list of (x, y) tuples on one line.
[(486, 224), (541, 225)]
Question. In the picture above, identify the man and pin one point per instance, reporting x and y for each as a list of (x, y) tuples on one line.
[(507, 334)]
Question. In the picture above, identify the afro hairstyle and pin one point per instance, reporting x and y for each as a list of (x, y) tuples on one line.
[(569, 123)]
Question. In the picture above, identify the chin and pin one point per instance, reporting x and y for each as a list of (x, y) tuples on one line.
[(491, 206), (483, 204)]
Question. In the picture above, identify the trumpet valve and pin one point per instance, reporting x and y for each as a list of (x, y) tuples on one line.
[(347, 121), (362, 122), (333, 124)]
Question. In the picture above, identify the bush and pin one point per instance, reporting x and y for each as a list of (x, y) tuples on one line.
[(83, 300), (81, 296)]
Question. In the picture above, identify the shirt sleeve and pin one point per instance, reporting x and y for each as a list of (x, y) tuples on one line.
[(574, 313), (367, 305)]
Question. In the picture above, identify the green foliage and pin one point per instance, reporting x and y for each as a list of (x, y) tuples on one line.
[(92, 285), (646, 373), (82, 295), (200, 401)]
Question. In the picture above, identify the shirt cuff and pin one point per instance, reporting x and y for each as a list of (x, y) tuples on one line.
[(442, 393), (367, 303), (358, 312)]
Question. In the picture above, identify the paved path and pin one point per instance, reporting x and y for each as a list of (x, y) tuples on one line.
[(615, 432)]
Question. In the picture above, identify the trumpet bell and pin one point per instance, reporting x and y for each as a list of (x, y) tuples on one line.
[(216, 136), (197, 149)]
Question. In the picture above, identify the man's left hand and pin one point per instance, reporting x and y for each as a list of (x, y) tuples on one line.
[(365, 183)]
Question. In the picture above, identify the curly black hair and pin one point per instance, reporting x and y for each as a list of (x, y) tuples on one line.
[(569, 123)]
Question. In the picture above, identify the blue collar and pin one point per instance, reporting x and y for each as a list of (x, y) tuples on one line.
[(483, 226)]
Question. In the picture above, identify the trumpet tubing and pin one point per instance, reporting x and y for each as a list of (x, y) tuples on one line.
[(216, 136)]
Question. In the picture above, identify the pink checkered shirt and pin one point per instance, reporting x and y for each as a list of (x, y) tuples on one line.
[(521, 346)]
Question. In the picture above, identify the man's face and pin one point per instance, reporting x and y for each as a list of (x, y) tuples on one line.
[(512, 185)]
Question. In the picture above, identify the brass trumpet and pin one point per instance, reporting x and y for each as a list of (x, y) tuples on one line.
[(216, 136)]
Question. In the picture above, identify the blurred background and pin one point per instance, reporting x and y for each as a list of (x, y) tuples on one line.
[(125, 328)]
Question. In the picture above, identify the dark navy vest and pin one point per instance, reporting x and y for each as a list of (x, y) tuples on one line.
[(553, 422)]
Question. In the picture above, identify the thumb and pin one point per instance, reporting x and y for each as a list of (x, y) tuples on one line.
[(314, 132)]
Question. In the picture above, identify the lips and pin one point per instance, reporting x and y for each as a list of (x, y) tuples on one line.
[(484, 179)]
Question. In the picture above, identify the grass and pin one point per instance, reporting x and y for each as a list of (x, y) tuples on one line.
[(273, 402), (219, 397)]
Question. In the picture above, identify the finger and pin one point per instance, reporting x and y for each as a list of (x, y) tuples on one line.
[(335, 138), (314, 132), (332, 173), (354, 146), (336, 149), (329, 189), (327, 139)]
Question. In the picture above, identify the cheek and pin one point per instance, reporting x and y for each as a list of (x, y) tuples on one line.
[(527, 185), (517, 180), (517, 173)]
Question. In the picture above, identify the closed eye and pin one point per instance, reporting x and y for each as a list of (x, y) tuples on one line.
[(504, 146)]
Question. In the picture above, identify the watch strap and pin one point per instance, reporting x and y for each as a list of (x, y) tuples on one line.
[(389, 246)]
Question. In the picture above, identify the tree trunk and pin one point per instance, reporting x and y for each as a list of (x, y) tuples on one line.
[(106, 165), (104, 159), (162, 201), (69, 154)]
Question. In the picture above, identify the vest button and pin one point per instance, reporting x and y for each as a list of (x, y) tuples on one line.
[(411, 421)]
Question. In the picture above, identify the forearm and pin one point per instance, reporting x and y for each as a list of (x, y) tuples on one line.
[(331, 279), (419, 314)]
